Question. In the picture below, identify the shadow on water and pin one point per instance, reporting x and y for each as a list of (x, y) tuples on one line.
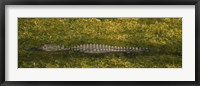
[(102, 55), (43, 59), (73, 54)]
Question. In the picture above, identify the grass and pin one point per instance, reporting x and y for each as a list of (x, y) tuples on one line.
[(163, 36)]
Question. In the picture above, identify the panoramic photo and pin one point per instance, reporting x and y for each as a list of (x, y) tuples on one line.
[(100, 42)]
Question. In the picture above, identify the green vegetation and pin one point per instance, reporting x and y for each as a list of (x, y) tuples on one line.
[(163, 36)]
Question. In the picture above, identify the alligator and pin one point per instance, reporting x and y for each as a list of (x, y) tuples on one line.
[(91, 48)]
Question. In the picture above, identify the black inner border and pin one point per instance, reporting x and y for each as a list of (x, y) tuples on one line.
[(3, 3)]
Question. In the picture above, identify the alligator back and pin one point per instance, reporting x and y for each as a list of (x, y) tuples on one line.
[(93, 48), (101, 48)]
